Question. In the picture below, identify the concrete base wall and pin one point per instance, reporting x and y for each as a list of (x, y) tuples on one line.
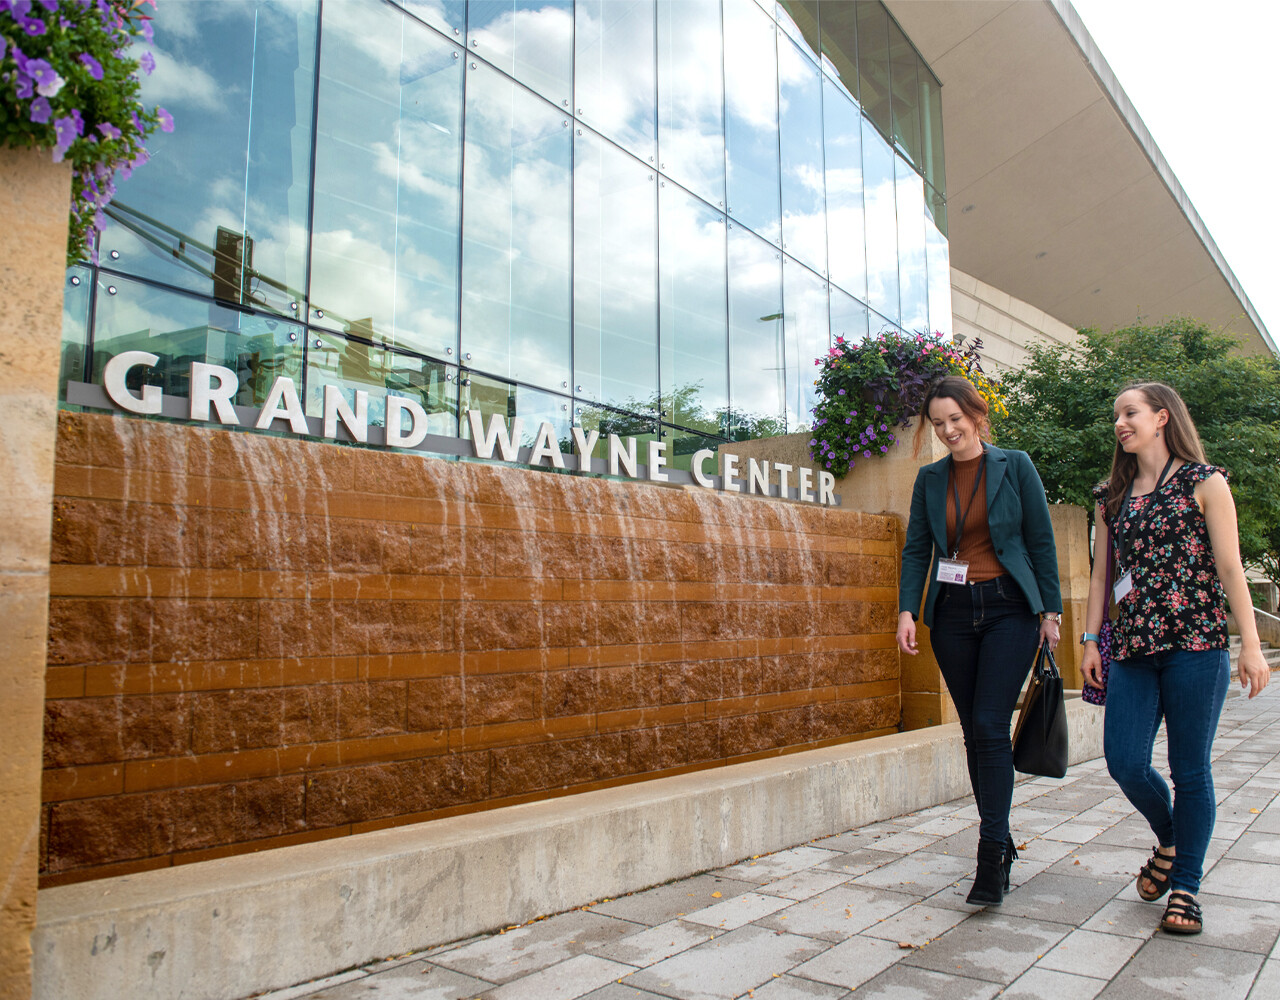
[(221, 930)]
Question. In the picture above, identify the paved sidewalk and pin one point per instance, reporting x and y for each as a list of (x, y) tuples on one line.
[(881, 910)]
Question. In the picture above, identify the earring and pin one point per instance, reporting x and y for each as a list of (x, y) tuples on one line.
[(1157, 433)]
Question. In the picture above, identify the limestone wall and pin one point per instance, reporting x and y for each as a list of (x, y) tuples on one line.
[(258, 641), (1006, 325), (34, 198)]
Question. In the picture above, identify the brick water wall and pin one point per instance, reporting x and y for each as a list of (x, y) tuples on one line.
[(258, 641)]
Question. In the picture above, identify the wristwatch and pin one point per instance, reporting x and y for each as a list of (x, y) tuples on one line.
[(1088, 637)]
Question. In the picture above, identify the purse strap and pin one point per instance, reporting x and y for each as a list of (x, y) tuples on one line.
[(1045, 665), (1106, 608)]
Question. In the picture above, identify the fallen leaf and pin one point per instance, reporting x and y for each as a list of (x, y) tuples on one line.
[(907, 946), (716, 895)]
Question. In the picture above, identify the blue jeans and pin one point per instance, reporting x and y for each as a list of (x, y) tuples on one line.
[(984, 636), (1186, 688)]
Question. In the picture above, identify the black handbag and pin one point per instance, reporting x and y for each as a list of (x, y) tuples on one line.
[(1040, 736)]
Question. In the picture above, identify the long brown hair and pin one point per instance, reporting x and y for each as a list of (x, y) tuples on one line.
[(1180, 437), (967, 397)]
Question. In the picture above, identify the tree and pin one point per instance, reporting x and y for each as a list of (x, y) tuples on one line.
[(1060, 414)]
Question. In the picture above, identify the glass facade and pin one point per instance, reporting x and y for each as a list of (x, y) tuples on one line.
[(642, 216)]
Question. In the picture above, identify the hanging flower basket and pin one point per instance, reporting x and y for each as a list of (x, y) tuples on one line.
[(868, 391), (69, 84)]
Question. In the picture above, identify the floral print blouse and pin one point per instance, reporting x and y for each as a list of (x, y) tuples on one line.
[(1177, 601)]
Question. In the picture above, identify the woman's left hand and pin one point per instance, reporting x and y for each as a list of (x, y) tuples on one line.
[(1254, 672), (1049, 632)]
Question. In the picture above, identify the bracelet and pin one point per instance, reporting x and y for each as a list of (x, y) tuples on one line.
[(1051, 616)]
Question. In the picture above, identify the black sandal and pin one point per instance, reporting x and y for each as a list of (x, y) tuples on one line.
[(1184, 905), (1157, 876)]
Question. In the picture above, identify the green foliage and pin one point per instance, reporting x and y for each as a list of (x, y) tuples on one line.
[(1060, 408)]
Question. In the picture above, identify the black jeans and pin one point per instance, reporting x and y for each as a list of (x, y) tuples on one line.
[(984, 636)]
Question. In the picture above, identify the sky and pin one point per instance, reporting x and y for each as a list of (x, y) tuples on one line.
[(1203, 79)]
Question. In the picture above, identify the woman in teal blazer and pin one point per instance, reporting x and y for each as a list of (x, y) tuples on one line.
[(980, 551)]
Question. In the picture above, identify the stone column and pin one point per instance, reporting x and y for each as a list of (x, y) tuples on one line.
[(1071, 535), (34, 197)]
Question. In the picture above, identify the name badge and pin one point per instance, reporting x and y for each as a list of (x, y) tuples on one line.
[(952, 571), (1122, 587)]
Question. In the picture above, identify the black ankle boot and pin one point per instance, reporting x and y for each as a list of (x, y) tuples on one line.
[(1010, 856), (988, 880)]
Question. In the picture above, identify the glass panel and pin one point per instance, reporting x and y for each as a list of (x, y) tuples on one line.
[(75, 327), (450, 16), (384, 259), (695, 324), (931, 154), (840, 45), (848, 317), (877, 323), (682, 445), (906, 95), (691, 96), (912, 279), (799, 19), (531, 40), (938, 257), (490, 396), (751, 134), (808, 336), (605, 421), (936, 207), (615, 276), (846, 225), (873, 64), (757, 365), (516, 234), (615, 77), (352, 365), (804, 209), (882, 224), (181, 329), (222, 207)]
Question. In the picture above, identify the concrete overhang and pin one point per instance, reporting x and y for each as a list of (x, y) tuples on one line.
[(1057, 194)]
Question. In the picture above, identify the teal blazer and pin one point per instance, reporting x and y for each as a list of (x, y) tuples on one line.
[(1017, 517)]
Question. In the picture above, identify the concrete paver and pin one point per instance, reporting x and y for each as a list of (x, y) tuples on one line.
[(879, 911)]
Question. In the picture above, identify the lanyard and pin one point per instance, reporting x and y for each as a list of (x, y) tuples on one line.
[(1123, 536), (962, 513)]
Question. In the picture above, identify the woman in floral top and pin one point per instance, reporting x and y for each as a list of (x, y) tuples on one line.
[(1168, 521)]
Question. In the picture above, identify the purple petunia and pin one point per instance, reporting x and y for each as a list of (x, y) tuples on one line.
[(147, 63), (166, 120), (91, 64), (109, 130), (40, 110), (148, 32), (38, 71), (65, 130)]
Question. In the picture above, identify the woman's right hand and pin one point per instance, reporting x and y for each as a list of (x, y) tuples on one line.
[(1091, 665), (907, 634)]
